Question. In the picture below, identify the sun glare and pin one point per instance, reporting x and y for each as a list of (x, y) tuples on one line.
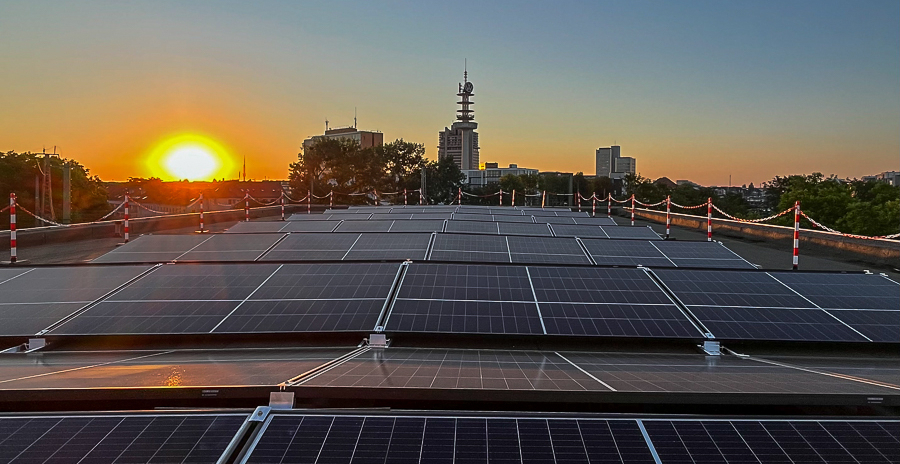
[(189, 156)]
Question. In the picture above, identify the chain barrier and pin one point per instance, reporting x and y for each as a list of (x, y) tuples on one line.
[(752, 220), (18, 206), (688, 207), (263, 203), (647, 205), (833, 231)]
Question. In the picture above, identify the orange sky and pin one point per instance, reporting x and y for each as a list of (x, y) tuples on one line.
[(106, 82)]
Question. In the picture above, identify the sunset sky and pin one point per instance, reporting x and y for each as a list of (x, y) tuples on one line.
[(693, 89)]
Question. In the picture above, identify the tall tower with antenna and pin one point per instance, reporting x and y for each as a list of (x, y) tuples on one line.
[(460, 141)]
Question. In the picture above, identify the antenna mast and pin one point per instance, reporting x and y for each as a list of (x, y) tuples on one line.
[(354, 117)]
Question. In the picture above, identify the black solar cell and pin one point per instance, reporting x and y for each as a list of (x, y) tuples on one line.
[(152, 248), (366, 226), (626, 253), (231, 247), (701, 254), (595, 221), (310, 226), (475, 248), (549, 250), (844, 291), (394, 246), (303, 316), (565, 230), (472, 227), (418, 225), (507, 228), (554, 220), (312, 246), (448, 440), (256, 227), (644, 233), (195, 438)]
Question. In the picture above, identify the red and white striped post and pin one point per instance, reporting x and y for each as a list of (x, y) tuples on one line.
[(246, 206), (404, 197), (709, 219), (579, 202), (459, 202), (331, 199), (201, 212), (609, 205), (514, 198), (282, 205), (796, 235), (594, 205), (421, 198), (12, 228), (376, 197), (668, 214), (501, 197), (126, 218), (543, 198), (632, 209), (309, 201)]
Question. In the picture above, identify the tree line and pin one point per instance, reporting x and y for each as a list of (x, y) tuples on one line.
[(18, 173)]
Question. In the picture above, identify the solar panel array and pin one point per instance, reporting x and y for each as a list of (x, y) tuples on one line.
[(502, 307)]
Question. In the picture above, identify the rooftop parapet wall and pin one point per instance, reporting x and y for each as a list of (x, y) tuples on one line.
[(875, 251)]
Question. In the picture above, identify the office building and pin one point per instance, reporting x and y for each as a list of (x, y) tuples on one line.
[(610, 163), (365, 139), (492, 173)]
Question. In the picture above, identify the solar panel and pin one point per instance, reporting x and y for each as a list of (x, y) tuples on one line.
[(392, 216), (320, 298), (550, 250), (312, 247), (244, 227), (37, 298), (310, 226), (442, 440), (464, 299), (508, 228), (232, 247), (566, 230), (349, 216), (702, 254), (504, 219), (418, 225), (365, 226), (472, 227), (773, 441), (752, 305), (606, 302), (554, 220), (438, 368), (696, 373), (394, 246), (442, 216), (472, 217), (557, 213), (473, 248), (868, 303), (884, 369), (595, 221), (194, 438), (152, 249), (626, 253), (222, 367), (309, 217), (644, 233), (184, 298)]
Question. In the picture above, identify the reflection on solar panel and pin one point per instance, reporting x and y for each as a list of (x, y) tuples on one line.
[(312, 247), (868, 303), (549, 250), (465, 299), (644, 233), (34, 299), (626, 253), (774, 441), (565, 230), (752, 305), (172, 299), (315, 297), (447, 440), (231, 247), (418, 225), (691, 373), (152, 249), (606, 302), (393, 246), (701, 254), (256, 227), (310, 226), (178, 368), (507, 228), (473, 248), (193, 438), (472, 227), (458, 369), (364, 226), (595, 221)]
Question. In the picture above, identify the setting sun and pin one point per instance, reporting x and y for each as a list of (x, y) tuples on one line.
[(191, 157)]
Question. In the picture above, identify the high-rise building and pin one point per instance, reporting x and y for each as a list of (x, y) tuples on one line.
[(610, 163), (460, 141)]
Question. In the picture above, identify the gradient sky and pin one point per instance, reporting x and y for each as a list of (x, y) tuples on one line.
[(693, 89)]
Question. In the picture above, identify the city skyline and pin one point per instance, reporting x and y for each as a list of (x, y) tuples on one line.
[(698, 90)]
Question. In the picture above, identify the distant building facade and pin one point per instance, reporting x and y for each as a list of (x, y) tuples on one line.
[(890, 177), (460, 141), (365, 139), (610, 163), (492, 173)]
